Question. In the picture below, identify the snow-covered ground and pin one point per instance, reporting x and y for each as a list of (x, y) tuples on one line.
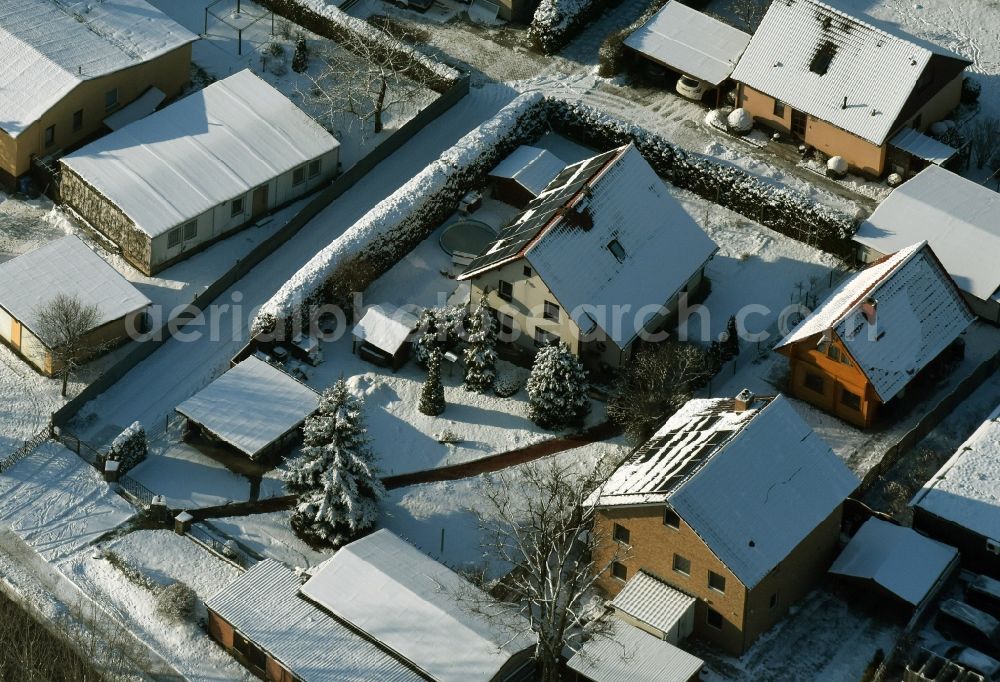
[(271, 535)]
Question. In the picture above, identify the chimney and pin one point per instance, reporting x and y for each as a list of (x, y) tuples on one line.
[(744, 400), (844, 105), (869, 308)]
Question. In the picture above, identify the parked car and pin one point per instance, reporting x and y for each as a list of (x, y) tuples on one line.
[(984, 594), (958, 620), (969, 658), (691, 88)]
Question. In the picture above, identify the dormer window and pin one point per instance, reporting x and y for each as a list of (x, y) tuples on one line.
[(820, 63), (617, 250)]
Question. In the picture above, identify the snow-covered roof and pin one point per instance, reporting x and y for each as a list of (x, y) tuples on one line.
[(65, 266), (142, 106), (206, 149), (925, 147), (752, 484), (49, 47), (627, 654), (652, 601), (689, 41), (900, 559), (966, 490), (386, 327), (919, 312), (877, 71), (415, 607), (626, 209), (530, 167), (264, 605), (250, 406), (957, 217)]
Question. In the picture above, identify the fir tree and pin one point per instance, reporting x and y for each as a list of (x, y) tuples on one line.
[(557, 388), (481, 353), (731, 346), (432, 396), (300, 60), (335, 479)]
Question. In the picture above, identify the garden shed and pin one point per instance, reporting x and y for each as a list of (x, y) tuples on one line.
[(524, 175), (165, 186), (65, 266), (254, 408), (383, 335)]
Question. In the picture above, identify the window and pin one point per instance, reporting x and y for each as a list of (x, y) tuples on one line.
[(527, 271), (814, 382), (191, 230), (621, 534), (111, 99), (506, 325), (834, 353), (671, 519), (50, 136), (315, 167), (617, 250), (682, 565), (800, 121), (505, 290), (820, 63), (850, 400), (779, 108), (77, 120), (174, 238), (299, 175), (773, 601), (551, 311), (619, 571), (236, 207), (716, 582), (543, 338), (714, 618)]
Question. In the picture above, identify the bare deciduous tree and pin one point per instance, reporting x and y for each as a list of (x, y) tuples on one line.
[(749, 12), (535, 519), (63, 325), (363, 80), (984, 139), (655, 383)]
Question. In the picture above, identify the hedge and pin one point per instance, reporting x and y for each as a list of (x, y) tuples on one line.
[(556, 22)]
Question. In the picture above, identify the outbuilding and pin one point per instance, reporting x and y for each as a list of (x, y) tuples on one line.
[(383, 334), (625, 652), (165, 186), (66, 266), (254, 408), (524, 174)]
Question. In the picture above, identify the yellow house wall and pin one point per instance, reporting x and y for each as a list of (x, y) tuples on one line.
[(838, 377), (169, 72)]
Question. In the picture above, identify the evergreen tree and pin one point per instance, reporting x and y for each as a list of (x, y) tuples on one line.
[(335, 479), (300, 60), (731, 346), (481, 353), (557, 388), (432, 396)]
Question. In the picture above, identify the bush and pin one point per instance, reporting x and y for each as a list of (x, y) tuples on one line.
[(432, 395), (507, 385), (177, 602), (556, 22), (971, 89), (129, 448), (300, 60), (449, 437), (557, 389)]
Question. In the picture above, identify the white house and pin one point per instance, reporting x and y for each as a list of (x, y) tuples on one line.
[(167, 185)]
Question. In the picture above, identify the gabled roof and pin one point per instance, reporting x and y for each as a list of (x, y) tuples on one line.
[(414, 606), (251, 406), (958, 218), (751, 484), (966, 490), (530, 167), (621, 201), (652, 601), (48, 47), (877, 71), (265, 606), (386, 327), (627, 654), (686, 40), (210, 147), (65, 266), (919, 313), (900, 559)]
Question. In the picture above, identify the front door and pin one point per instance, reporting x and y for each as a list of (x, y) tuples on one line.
[(259, 201), (799, 119)]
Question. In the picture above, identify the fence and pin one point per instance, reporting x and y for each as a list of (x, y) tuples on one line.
[(135, 492), (88, 454), (228, 550), (26, 449)]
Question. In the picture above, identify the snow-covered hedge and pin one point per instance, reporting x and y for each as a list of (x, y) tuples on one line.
[(556, 22), (328, 20), (397, 224), (777, 207), (611, 55), (129, 448)]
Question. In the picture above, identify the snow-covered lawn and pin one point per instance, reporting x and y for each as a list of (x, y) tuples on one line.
[(271, 535), (57, 503)]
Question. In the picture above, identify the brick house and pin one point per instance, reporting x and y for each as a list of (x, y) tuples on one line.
[(603, 254), (846, 87), (735, 502), (866, 342)]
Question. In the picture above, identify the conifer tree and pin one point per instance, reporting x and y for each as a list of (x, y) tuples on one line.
[(300, 60), (432, 395), (481, 353), (557, 388)]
